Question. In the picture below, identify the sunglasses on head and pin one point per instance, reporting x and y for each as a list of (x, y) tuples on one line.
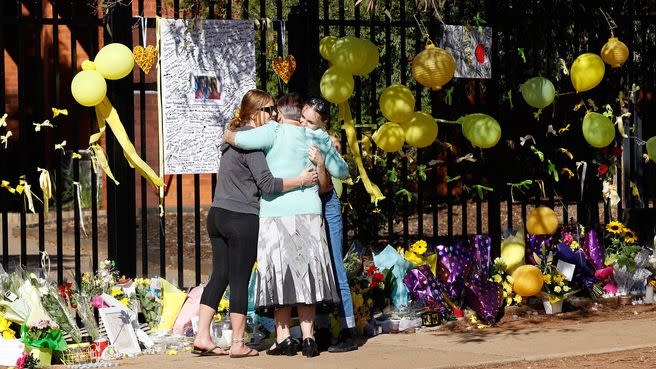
[(320, 105), (269, 109)]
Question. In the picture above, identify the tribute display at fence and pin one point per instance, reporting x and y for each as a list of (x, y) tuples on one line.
[(203, 74)]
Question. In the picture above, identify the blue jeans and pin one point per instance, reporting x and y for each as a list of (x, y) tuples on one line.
[(332, 212)]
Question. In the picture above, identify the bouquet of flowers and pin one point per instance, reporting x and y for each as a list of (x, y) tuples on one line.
[(621, 246), (556, 287), (502, 277), (150, 301), (43, 334), (59, 310), (27, 361), (353, 262)]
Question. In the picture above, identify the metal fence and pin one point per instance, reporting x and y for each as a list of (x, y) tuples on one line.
[(129, 228)]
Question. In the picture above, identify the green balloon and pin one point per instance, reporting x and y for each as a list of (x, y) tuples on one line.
[(481, 130), (598, 130), (651, 148), (538, 92)]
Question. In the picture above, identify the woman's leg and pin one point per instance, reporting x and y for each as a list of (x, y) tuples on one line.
[(215, 287), (306, 315), (283, 318), (242, 248)]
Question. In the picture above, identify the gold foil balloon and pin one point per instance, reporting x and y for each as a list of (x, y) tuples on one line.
[(389, 137), (325, 46), (538, 92), (336, 85), (420, 130), (114, 61), (614, 52), (542, 220), (527, 280), (598, 130), (433, 67), (587, 71), (651, 148), (481, 130), (397, 103)]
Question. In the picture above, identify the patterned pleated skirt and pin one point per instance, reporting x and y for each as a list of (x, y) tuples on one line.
[(293, 263)]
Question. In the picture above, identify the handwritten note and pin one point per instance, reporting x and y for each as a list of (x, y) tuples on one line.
[(204, 73)]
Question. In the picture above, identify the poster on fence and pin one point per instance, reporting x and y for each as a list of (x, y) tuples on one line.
[(204, 72), (471, 48)]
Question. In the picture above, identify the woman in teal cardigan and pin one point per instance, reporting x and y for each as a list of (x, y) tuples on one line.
[(293, 262)]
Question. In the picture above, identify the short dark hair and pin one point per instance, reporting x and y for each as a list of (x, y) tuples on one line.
[(290, 106), (321, 106)]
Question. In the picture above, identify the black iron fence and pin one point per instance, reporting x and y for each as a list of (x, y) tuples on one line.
[(429, 192)]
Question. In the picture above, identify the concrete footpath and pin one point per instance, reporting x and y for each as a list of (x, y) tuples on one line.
[(441, 349)]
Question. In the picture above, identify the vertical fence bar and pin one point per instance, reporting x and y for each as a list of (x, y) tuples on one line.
[(58, 135), (389, 206), (23, 128), (76, 163), (162, 217), (93, 26), (197, 226), (3, 194), (178, 189), (39, 115), (144, 152)]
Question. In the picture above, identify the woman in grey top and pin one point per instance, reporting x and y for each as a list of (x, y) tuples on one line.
[(233, 223)]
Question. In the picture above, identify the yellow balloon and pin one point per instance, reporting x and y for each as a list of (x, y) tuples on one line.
[(389, 137), (542, 220), (350, 54), (88, 88), (598, 130), (397, 103), (527, 280), (325, 45), (433, 67), (114, 61), (420, 130), (538, 92), (481, 130), (651, 148), (513, 251), (614, 52), (587, 71), (336, 85), (372, 58)]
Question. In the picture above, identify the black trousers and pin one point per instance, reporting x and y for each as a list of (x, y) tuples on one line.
[(234, 250)]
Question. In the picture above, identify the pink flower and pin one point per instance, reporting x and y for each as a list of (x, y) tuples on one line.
[(20, 363), (97, 302), (568, 239)]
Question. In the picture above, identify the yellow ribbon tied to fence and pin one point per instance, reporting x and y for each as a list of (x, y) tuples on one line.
[(114, 61), (351, 136)]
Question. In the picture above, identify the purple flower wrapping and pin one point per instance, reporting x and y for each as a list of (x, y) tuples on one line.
[(534, 245), (485, 298), (593, 249), (424, 288)]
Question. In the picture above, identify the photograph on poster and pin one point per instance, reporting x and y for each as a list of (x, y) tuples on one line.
[(206, 87)]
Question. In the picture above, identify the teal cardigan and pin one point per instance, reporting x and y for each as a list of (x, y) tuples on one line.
[(286, 149)]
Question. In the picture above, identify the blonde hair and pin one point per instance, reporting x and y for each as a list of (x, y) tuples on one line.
[(251, 103)]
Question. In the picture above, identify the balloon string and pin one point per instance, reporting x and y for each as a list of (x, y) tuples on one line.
[(566, 93), (422, 29), (611, 23), (447, 121)]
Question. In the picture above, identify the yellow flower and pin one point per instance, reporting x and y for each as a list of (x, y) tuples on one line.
[(510, 279), (518, 299), (505, 294), (575, 245), (473, 319), (631, 237), (116, 292), (615, 227), (509, 300), (419, 247), (224, 305), (630, 240), (506, 285), (558, 278), (557, 289), (497, 278), (566, 288), (547, 278)]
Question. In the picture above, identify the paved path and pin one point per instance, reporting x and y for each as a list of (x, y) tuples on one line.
[(440, 349)]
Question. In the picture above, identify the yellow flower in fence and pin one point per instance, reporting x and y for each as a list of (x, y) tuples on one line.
[(497, 278), (615, 227), (419, 247), (558, 278), (547, 278)]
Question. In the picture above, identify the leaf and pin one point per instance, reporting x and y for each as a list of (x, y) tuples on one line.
[(537, 258), (449, 179), (392, 175), (520, 51), (421, 171), (551, 169)]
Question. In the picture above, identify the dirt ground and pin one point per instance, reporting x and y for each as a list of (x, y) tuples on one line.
[(640, 358)]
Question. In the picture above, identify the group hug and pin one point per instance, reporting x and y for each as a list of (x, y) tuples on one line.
[(275, 204)]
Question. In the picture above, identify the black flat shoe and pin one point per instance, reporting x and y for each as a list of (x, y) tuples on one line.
[(287, 347), (310, 348)]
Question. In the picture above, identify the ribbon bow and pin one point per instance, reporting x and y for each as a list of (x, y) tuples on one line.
[(7, 185), (46, 187), (3, 120), (46, 123), (60, 146), (4, 139), (56, 112)]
